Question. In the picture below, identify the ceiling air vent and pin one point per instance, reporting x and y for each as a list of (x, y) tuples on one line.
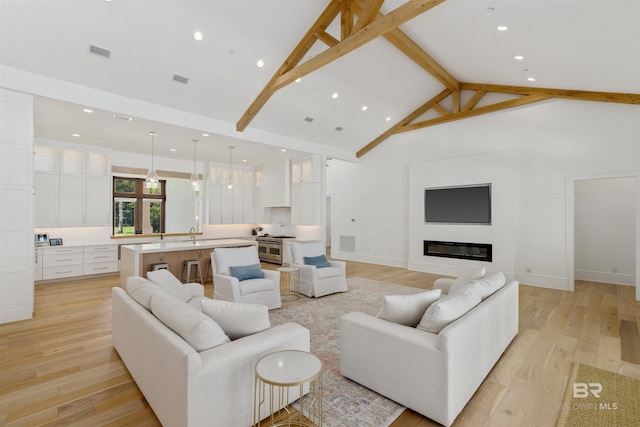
[(308, 119), (99, 51), (339, 128), (119, 117), (180, 79)]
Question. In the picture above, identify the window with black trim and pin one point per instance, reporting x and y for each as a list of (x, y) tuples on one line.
[(136, 209)]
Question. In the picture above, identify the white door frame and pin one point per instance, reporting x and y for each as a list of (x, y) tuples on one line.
[(570, 226)]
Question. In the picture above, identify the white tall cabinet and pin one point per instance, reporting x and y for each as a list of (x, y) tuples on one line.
[(16, 206), (230, 207), (72, 187), (306, 191)]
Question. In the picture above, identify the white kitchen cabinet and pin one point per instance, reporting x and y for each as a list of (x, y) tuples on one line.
[(306, 170), (275, 190), (72, 201), (305, 203), (72, 187), (100, 259), (98, 201), (37, 264), (46, 200), (230, 207), (62, 262)]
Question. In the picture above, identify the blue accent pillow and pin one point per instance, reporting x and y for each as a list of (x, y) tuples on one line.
[(246, 272), (319, 261)]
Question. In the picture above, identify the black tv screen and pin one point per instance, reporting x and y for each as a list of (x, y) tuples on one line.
[(469, 204)]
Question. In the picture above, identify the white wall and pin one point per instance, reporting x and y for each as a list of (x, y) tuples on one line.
[(605, 216), (499, 169), (550, 141)]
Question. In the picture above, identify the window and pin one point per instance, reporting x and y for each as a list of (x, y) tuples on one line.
[(136, 209)]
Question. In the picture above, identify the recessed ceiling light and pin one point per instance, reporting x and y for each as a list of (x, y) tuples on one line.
[(244, 160), (173, 150), (335, 95), (298, 80), (75, 135), (388, 119), (518, 57), (531, 79), (283, 149), (197, 36), (87, 110), (502, 28), (260, 63), (364, 108), (205, 134)]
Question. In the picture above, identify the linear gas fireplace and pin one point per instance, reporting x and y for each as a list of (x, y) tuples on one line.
[(472, 251)]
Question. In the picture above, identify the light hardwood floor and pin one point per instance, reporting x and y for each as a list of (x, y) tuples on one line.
[(60, 369)]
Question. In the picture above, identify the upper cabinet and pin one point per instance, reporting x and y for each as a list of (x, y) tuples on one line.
[(230, 205), (72, 187), (306, 191), (275, 187)]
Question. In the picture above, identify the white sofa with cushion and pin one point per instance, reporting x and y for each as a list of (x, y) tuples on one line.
[(436, 367), (318, 275), (192, 369)]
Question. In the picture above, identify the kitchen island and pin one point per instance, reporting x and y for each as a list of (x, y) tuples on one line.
[(136, 260)]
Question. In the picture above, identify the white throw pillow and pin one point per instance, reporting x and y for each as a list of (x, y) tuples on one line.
[(311, 249), (141, 290), (488, 284), (199, 330), (224, 258), (237, 319), (167, 281), (467, 275), (407, 309), (449, 308)]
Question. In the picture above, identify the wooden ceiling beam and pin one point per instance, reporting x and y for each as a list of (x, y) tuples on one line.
[(368, 13), (323, 21), (504, 105), (408, 119), (582, 95), (377, 28), (346, 19)]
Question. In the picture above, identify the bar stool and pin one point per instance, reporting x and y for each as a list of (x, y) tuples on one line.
[(209, 270), (197, 270), (160, 266)]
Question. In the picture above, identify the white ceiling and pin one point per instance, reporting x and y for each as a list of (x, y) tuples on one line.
[(567, 44)]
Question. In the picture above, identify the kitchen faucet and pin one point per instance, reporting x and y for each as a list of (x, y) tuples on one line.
[(192, 234)]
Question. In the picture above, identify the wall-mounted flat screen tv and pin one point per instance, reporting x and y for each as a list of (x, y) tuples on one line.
[(467, 204)]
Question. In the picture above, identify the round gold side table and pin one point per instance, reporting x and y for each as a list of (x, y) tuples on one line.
[(281, 373), (289, 282)]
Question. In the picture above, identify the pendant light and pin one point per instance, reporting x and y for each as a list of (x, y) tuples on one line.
[(194, 176), (230, 187), (151, 181)]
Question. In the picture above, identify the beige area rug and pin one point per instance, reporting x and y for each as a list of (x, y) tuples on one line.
[(599, 398), (345, 403)]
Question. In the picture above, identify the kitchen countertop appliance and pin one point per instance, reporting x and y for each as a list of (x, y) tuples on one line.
[(270, 248)]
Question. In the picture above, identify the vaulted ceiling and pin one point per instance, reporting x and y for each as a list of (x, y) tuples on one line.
[(412, 64)]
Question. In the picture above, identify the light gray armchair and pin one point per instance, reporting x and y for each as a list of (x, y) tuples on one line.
[(237, 276), (317, 281)]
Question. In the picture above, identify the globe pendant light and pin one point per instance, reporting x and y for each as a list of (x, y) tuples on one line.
[(151, 181), (195, 180), (230, 187)]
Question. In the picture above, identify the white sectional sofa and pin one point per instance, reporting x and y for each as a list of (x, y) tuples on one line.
[(435, 374), (186, 387)]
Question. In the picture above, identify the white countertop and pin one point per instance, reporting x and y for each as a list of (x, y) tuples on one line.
[(185, 246)]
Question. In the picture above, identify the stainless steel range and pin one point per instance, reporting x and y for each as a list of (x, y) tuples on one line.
[(270, 248)]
